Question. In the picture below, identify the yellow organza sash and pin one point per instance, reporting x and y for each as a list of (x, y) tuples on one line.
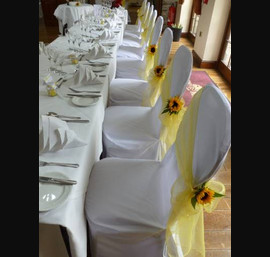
[(150, 53), (170, 123), (185, 227), (153, 91), (140, 13)]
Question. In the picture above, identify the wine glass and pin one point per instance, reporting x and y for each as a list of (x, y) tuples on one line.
[(79, 40)]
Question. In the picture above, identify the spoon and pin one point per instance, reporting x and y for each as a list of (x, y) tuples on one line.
[(54, 114)]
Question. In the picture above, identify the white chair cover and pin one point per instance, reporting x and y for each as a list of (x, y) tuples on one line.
[(136, 50), (137, 27), (129, 68), (131, 91), (134, 38), (134, 131), (128, 200)]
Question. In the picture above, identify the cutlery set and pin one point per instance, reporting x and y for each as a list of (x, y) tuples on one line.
[(67, 118), (57, 181), (85, 95), (64, 164)]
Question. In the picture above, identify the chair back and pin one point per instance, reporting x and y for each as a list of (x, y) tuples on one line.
[(182, 68), (157, 29), (213, 134), (164, 47), (149, 17), (145, 17), (150, 29), (176, 80), (200, 148)]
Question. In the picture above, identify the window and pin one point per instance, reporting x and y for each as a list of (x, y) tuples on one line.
[(226, 55), (194, 24), (225, 59)]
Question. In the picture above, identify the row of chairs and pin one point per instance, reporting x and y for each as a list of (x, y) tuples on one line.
[(158, 153)]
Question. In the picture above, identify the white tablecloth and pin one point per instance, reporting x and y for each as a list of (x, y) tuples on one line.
[(67, 14), (70, 214)]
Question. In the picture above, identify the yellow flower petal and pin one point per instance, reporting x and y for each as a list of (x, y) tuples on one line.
[(205, 196)]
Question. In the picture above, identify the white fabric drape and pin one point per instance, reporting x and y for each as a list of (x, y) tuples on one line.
[(134, 131), (131, 50), (130, 67), (131, 91), (128, 200)]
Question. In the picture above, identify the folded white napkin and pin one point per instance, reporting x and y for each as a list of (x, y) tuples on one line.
[(97, 51), (56, 135), (110, 24), (85, 76), (41, 47), (107, 34)]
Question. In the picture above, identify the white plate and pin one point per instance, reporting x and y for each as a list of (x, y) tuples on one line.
[(98, 68), (108, 44), (84, 101), (52, 195)]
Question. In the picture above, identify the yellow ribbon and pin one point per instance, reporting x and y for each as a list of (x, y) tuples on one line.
[(170, 124), (149, 62), (185, 227), (152, 93), (140, 14)]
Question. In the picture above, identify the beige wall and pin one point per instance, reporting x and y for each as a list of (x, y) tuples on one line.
[(211, 29), (185, 15)]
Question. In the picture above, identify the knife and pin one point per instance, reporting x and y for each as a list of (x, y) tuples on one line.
[(78, 121), (57, 180), (88, 95), (97, 62)]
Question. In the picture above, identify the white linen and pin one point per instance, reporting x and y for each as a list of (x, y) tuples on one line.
[(138, 52), (86, 76), (134, 41), (61, 44), (128, 200), (131, 91), (133, 131), (70, 214), (41, 47), (127, 92), (107, 34), (56, 135), (69, 14), (131, 68)]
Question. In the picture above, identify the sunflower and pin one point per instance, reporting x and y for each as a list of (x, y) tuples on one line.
[(78, 3), (152, 49), (174, 105), (159, 70), (206, 195)]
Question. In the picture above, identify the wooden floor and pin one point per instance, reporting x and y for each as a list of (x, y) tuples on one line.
[(218, 223)]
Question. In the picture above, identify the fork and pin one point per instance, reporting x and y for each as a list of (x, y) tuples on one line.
[(71, 165), (85, 91)]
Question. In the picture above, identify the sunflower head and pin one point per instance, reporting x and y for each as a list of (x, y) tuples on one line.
[(206, 195), (159, 70), (78, 3), (152, 49), (175, 104)]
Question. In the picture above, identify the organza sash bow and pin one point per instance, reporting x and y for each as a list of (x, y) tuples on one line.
[(185, 227)]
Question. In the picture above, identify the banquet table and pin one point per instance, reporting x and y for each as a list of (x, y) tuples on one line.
[(67, 14), (70, 213)]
